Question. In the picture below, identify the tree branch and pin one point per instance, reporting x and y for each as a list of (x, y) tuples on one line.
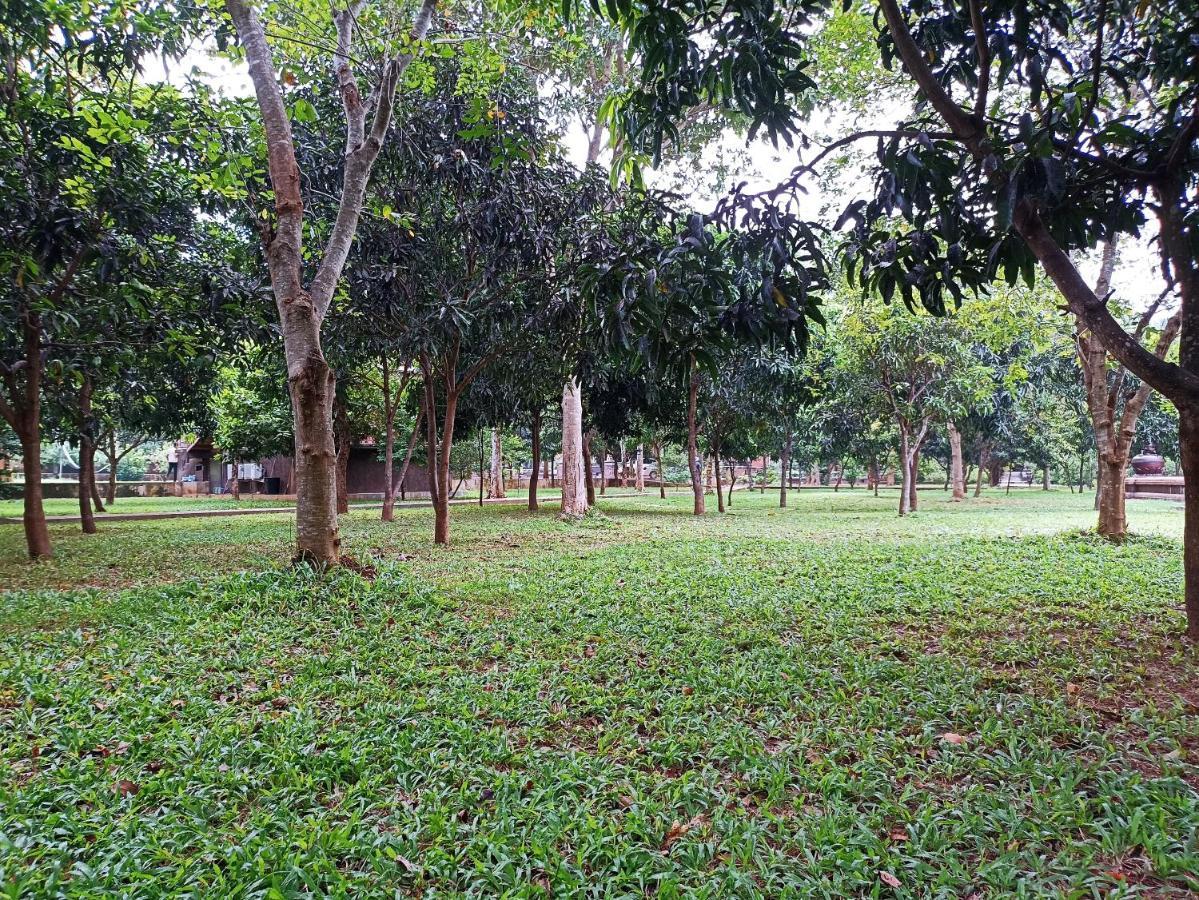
[(360, 159), (284, 249), (984, 61), (1172, 381), (960, 122)]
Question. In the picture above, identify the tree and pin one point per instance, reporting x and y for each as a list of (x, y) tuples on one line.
[(86, 190), (302, 306), (917, 369), (476, 207), (1114, 402)]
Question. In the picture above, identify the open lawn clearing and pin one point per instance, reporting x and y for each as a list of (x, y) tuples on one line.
[(770, 703)]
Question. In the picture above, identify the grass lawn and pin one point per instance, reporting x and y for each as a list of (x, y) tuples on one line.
[(825, 700)]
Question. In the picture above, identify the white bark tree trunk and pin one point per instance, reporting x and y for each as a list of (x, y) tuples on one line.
[(574, 473), (495, 490)]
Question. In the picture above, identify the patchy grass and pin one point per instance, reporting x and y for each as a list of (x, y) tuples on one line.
[(824, 700)]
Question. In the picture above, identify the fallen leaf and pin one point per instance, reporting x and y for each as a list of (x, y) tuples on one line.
[(1072, 688), (679, 829), (280, 703), (125, 788), (898, 833), (889, 879), (688, 691), (952, 737), (407, 864)]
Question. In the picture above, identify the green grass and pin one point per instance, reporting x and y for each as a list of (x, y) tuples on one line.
[(643, 704)]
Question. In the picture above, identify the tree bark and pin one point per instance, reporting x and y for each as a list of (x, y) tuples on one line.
[(344, 442), (784, 468), (441, 525), (1188, 419), (87, 458), (603, 470), (113, 460), (588, 474), (97, 500), (956, 470), (716, 472), (23, 412), (732, 483), (661, 472), (495, 489), (389, 444), (639, 475), (694, 463), (905, 441), (574, 469), (535, 468), (914, 466), (412, 438)]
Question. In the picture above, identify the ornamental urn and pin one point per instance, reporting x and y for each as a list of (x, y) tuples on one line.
[(1148, 462)]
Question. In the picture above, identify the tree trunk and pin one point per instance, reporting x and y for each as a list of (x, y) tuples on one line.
[(661, 472), (588, 475), (905, 467), (1188, 421), (441, 525), (1045, 484), (575, 463), (495, 487), (341, 430), (535, 469), (624, 467), (23, 413), (694, 463), (913, 500), (639, 477), (97, 501), (982, 467), (784, 469), (1113, 520), (389, 444), (235, 479), (112, 467), (874, 475), (87, 453), (957, 473), (37, 535), (412, 437), (732, 482), (603, 470), (716, 472)]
